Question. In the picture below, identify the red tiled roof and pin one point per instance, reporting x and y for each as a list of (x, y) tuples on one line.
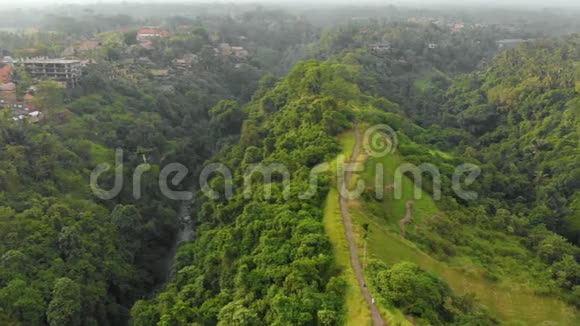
[(153, 31), (5, 73)]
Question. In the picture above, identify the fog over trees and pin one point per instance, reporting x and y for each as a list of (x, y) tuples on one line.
[(289, 163)]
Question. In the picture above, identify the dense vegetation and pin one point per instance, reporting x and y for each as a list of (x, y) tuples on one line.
[(266, 259), (520, 114), (263, 257), (517, 120), (58, 243), (67, 257)]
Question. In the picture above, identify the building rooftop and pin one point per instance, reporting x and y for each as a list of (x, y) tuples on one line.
[(5, 73), (47, 60), (8, 87)]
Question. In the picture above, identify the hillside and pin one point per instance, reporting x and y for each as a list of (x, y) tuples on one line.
[(266, 259), (516, 120), (261, 258), (248, 165)]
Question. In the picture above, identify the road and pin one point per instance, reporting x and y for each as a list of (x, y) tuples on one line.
[(354, 258)]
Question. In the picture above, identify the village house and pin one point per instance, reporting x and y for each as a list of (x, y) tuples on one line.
[(225, 49), (7, 87), (379, 48), (21, 111), (457, 27), (8, 92), (240, 52), (186, 61), (237, 51), (149, 33), (5, 73), (81, 48)]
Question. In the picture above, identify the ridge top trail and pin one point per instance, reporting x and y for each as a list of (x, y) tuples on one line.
[(354, 258)]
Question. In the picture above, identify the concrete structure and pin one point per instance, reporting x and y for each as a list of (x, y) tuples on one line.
[(66, 71), (6, 60)]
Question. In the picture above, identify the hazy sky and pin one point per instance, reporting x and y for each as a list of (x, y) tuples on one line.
[(429, 3)]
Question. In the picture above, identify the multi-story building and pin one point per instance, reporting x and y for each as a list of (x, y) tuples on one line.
[(66, 71)]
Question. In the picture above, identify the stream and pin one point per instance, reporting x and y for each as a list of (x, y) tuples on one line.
[(184, 234)]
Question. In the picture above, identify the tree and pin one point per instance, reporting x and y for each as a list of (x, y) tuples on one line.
[(410, 288), (553, 248), (130, 37), (65, 307), (144, 313), (227, 117), (127, 219), (49, 95), (25, 302), (566, 272), (236, 314)]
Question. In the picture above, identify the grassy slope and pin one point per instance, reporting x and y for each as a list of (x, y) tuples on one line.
[(513, 303), (357, 312), (424, 83)]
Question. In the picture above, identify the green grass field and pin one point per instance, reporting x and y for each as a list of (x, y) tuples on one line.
[(513, 303)]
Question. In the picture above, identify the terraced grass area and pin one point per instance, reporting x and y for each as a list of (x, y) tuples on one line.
[(513, 303)]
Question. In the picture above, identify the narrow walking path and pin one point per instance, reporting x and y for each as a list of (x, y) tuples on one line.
[(354, 258), (407, 219)]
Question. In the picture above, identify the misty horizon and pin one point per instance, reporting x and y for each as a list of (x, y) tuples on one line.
[(427, 4)]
